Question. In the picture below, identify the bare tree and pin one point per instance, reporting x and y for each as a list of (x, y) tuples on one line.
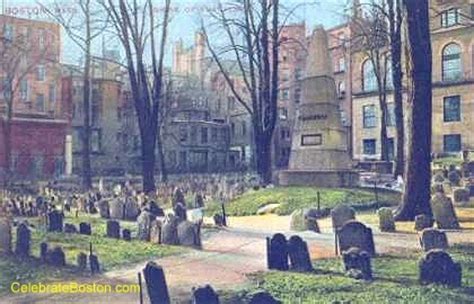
[(416, 197), (136, 27), (252, 30), (83, 29)]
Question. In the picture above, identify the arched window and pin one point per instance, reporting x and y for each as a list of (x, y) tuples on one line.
[(341, 89), (369, 81), (451, 62)]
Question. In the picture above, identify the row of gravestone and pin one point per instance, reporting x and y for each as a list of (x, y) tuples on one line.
[(158, 290), (289, 254)]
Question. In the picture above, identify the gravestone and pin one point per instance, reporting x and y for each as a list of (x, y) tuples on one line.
[(5, 236), (357, 263), (423, 221), (113, 229), (85, 228), (180, 211), (44, 252), (144, 221), (126, 234), (82, 261), (116, 209), (198, 201), (154, 209), (340, 215), (356, 234), (438, 178), (188, 234), (205, 295), (386, 221), (438, 267), (263, 297), (303, 220), (169, 231), (55, 221), (178, 197), (56, 257), (70, 228), (23, 238), (437, 187), (94, 263), (277, 252), (443, 212), (218, 220), (103, 206), (433, 239), (132, 210), (156, 284), (454, 178), (155, 231), (461, 195), (299, 255)]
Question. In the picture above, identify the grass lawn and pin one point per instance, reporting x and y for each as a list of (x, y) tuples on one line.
[(112, 253), (292, 198), (446, 161), (396, 281)]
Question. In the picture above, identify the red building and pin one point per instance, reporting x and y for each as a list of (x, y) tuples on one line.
[(33, 120)]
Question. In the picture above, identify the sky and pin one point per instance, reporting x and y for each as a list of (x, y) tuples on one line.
[(185, 22)]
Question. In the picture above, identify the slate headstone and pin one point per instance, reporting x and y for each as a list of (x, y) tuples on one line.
[(55, 221), (82, 261), (5, 236), (126, 234), (188, 234), (263, 297), (70, 228), (23, 239), (94, 263), (56, 257), (156, 284), (461, 195), (443, 212), (198, 201), (180, 211), (113, 229), (299, 255), (357, 263), (205, 295), (438, 267), (277, 252), (104, 211), (423, 221), (169, 231), (433, 239), (85, 228), (44, 252), (356, 234)]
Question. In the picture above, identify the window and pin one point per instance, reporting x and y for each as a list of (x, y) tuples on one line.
[(232, 129), (391, 148), (40, 73), (311, 140), (285, 94), (42, 39), (24, 89), (341, 89), (52, 95), (40, 102), (283, 113), (96, 141), (451, 62), (193, 135), (183, 159), (214, 132), (8, 32), (341, 64), (183, 134), (369, 146), (452, 143), (231, 100), (452, 108), (297, 95), (369, 117), (369, 80), (6, 88), (204, 138), (244, 128), (450, 17), (390, 115), (298, 74)]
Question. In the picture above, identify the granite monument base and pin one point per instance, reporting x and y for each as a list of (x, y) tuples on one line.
[(321, 178)]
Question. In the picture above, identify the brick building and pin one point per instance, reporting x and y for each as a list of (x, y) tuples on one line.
[(30, 76)]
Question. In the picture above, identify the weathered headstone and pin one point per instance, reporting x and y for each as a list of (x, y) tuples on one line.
[(299, 254), (23, 238), (113, 229), (156, 284), (263, 297), (218, 219), (356, 234), (303, 220), (55, 221), (438, 267), (205, 295), (103, 206), (198, 201), (178, 197), (180, 211), (169, 231), (44, 252), (155, 231), (461, 195), (423, 221), (132, 210), (85, 228), (454, 178), (433, 239), (154, 209), (94, 263), (144, 221), (443, 212), (357, 264), (70, 228), (386, 221), (188, 234), (126, 234), (82, 261), (5, 236), (340, 215), (56, 257), (277, 252), (438, 178), (116, 207)]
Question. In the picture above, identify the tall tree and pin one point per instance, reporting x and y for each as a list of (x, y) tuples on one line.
[(416, 196), (83, 29), (136, 27), (251, 30)]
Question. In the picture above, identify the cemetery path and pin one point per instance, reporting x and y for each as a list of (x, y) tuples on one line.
[(227, 257)]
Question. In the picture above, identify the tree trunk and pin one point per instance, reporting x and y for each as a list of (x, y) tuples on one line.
[(383, 127), (264, 158), (148, 138), (416, 197), (86, 143), (8, 150), (162, 160)]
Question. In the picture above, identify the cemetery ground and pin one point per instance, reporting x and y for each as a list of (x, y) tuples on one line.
[(233, 259)]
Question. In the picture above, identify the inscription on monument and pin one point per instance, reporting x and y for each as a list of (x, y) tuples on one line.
[(313, 117), (311, 140)]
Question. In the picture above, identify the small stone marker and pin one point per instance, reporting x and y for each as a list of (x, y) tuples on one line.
[(82, 261), (263, 297), (116, 207), (94, 263), (144, 221), (433, 239), (169, 231), (461, 195), (189, 234), (126, 234), (5, 236), (104, 211), (386, 221), (113, 229), (443, 212), (357, 264), (155, 231), (85, 228), (303, 220), (23, 238), (277, 252), (340, 215), (198, 201), (438, 267), (132, 210), (423, 221), (44, 252), (180, 212), (56, 257), (454, 178), (356, 234), (55, 221), (70, 228), (205, 295), (156, 284), (299, 255)]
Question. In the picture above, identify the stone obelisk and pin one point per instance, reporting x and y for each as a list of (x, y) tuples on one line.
[(319, 153)]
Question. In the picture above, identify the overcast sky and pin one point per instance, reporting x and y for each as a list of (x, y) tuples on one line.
[(186, 19)]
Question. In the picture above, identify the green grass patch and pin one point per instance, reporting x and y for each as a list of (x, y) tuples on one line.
[(293, 198), (396, 281), (447, 161)]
